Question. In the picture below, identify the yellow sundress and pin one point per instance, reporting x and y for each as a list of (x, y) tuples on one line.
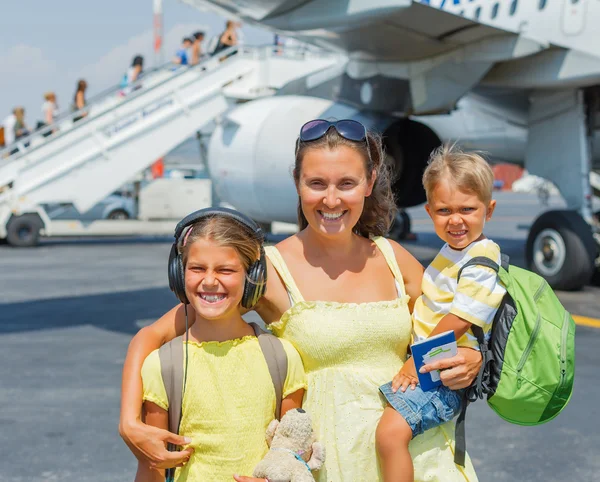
[(348, 351)]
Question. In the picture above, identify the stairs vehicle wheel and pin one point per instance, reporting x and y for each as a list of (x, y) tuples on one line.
[(118, 214), (24, 231)]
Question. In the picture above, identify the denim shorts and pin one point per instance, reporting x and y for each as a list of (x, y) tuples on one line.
[(424, 410)]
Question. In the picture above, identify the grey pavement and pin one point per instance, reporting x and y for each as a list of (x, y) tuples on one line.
[(69, 308)]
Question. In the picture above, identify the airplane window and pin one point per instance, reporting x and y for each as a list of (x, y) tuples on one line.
[(477, 12), (513, 7), (495, 10), (542, 4)]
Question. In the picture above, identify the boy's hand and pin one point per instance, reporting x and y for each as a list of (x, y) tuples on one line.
[(407, 376)]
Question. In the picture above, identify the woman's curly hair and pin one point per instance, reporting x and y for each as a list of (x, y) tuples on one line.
[(379, 208)]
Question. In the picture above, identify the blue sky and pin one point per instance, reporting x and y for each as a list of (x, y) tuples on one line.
[(50, 45)]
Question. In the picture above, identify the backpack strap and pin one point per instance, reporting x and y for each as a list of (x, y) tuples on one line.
[(276, 359), (488, 263), (476, 390), (171, 369)]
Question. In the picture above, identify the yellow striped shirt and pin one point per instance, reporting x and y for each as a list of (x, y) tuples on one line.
[(475, 298)]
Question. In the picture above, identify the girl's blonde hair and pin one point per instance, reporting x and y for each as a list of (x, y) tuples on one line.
[(468, 171), (223, 231)]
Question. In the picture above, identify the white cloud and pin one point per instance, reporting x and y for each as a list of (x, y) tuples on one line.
[(22, 67), (25, 60)]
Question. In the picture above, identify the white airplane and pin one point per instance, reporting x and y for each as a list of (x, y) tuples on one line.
[(516, 78)]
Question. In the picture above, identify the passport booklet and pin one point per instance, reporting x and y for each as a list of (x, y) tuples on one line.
[(429, 350)]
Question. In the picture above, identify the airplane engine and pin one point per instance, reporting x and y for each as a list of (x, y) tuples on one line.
[(251, 153)]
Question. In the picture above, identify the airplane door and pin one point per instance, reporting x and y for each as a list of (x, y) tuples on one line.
[(573, 16)]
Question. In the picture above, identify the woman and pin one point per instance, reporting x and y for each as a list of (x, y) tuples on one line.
[(197, 48), (49, 108), (79, 100), (228, 38), (15, 128), (21, 128), (132, 75), (341, 293), (49, 111)]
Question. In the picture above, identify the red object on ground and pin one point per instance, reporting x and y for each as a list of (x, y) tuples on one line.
[(507, 173), (158, 169)]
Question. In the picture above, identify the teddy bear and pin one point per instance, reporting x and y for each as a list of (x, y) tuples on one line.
[(293, 452)]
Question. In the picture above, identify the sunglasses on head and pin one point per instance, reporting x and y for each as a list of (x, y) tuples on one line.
[(347, 128)]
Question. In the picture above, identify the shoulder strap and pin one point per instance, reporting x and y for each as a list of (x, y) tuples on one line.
[(171, 368), (390, 257), (460, 444), (484, 261), (277, 362), (279, 264)]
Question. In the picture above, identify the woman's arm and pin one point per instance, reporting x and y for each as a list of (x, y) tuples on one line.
[(229, 38), (156, 417), (293, 400), (79, 100), (147, 443), (412, 272), (195, 54), (49, 118)]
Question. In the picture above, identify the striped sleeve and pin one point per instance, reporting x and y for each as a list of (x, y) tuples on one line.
[(479, 292)]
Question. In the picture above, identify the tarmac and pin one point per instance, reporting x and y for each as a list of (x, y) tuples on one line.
[(69, 308)]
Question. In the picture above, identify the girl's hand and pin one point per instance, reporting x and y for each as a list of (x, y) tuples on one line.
[(148, 444), (407, 376), (241, 478), (459, 371)]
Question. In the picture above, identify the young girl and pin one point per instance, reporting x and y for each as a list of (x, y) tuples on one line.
[(229, 397)]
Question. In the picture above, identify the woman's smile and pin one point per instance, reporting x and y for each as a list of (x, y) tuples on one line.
[(332, 217)]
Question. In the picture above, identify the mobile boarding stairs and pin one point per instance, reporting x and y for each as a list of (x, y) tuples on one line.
[(125, 131)]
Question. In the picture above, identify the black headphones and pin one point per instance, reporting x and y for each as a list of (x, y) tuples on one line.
[(256, 282)]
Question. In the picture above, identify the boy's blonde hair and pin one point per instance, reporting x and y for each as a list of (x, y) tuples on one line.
[(223, 231), (468, 171)]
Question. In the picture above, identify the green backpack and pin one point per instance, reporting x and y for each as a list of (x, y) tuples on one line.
[(529, 360)]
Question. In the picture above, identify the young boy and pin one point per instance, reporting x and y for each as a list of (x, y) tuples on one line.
[(459, 201), (181, 56)]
